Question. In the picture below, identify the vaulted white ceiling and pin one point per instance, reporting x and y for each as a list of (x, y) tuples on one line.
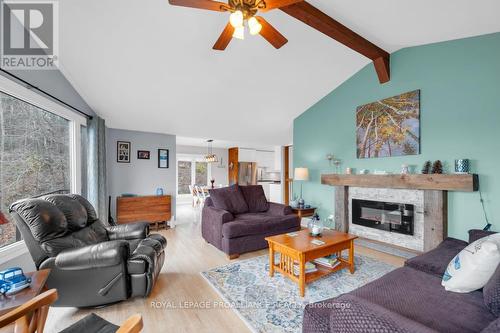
[(147, 65)]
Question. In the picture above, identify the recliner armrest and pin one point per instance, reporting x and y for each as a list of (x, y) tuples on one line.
[(139, 230), (277, 209), (93, 256)]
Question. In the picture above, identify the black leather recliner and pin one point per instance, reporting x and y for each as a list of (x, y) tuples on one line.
[(92, 264)]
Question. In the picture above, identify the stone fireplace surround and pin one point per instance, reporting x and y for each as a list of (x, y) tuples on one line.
[(413, 197), (427, 192)]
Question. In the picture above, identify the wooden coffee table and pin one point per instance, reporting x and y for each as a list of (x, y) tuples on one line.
[(300, 250)]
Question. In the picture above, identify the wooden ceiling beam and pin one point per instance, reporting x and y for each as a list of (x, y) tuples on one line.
[(318, 20)]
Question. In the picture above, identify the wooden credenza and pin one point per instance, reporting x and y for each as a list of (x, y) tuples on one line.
[(154, 209)]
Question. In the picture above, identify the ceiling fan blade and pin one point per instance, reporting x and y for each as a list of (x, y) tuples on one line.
[(201, 4), (270, 34), (272, 4), (224, 38)]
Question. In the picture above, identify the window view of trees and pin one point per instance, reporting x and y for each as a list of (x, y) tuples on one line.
[(191, 171), (184, 176), (34, 156), (201, 173)]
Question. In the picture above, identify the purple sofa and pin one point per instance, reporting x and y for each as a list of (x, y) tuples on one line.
[(411, 299), (236, 219)]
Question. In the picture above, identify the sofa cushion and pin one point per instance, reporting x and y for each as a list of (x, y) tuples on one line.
[(258, 224), (493, 327), (435, 261), (491, 293), (475, 234), (229, 198), (420, 297), (255, 198)]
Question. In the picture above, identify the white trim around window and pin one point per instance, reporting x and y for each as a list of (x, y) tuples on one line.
[(18, 91), (193, 158)]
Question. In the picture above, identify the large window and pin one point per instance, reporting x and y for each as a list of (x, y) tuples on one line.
[(191, 170), (37, 154), (184, 176)]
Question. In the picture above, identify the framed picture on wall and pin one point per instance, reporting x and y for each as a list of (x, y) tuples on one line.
[(143, 154), (163, 158), (123, 151)]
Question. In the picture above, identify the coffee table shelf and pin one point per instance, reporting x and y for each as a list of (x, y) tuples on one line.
[(322, 271)]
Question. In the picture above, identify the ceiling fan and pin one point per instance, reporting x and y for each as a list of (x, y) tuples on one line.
[(246, 10)]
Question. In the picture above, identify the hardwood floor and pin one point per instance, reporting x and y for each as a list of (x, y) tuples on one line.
[(180, 283)]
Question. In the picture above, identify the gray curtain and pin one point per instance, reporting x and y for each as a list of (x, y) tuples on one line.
[(96, 167)]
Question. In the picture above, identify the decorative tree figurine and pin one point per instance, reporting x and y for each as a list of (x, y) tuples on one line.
[(427, 168), (437, 167)]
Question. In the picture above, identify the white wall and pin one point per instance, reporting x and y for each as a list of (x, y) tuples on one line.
[(140, 177), (219, 174)]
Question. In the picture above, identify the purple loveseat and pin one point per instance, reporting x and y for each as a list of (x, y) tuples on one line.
[(411, 299), (236, 219)]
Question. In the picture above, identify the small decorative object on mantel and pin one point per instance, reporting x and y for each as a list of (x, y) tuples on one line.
[(363, 171), (348, 171), (159, 191), (315, 226), (462, 166), (381, 172), (427, 168), (437, 167), (404, 169)]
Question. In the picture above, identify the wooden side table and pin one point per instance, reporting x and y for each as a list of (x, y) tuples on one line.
[(37, 286), (304, 212)]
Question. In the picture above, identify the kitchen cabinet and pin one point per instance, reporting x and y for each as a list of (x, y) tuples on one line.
[(275, 193), (277, 158), (247, 155), (265, 159)]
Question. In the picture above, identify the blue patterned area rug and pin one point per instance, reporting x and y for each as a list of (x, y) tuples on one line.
[(268, 304)]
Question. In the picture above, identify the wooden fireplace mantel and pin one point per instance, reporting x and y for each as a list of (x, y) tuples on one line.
[(434, 186), (465, 182)]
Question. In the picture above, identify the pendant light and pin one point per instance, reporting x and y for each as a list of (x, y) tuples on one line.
[(210, 157)]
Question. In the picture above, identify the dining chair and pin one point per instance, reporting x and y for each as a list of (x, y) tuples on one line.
[(194, 195), (201, 194), (32, 315)]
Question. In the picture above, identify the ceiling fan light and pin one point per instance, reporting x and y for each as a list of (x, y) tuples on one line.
[(236, 19), (239, 32), (254, 26)]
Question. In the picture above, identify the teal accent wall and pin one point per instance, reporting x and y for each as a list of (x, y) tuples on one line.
[(460, 118)]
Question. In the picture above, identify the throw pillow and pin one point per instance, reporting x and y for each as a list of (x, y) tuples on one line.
[(473, 266), (491, 293), (230, 199), (255, 197)]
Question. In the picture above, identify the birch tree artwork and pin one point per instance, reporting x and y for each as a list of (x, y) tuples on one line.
[(389, 127)]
